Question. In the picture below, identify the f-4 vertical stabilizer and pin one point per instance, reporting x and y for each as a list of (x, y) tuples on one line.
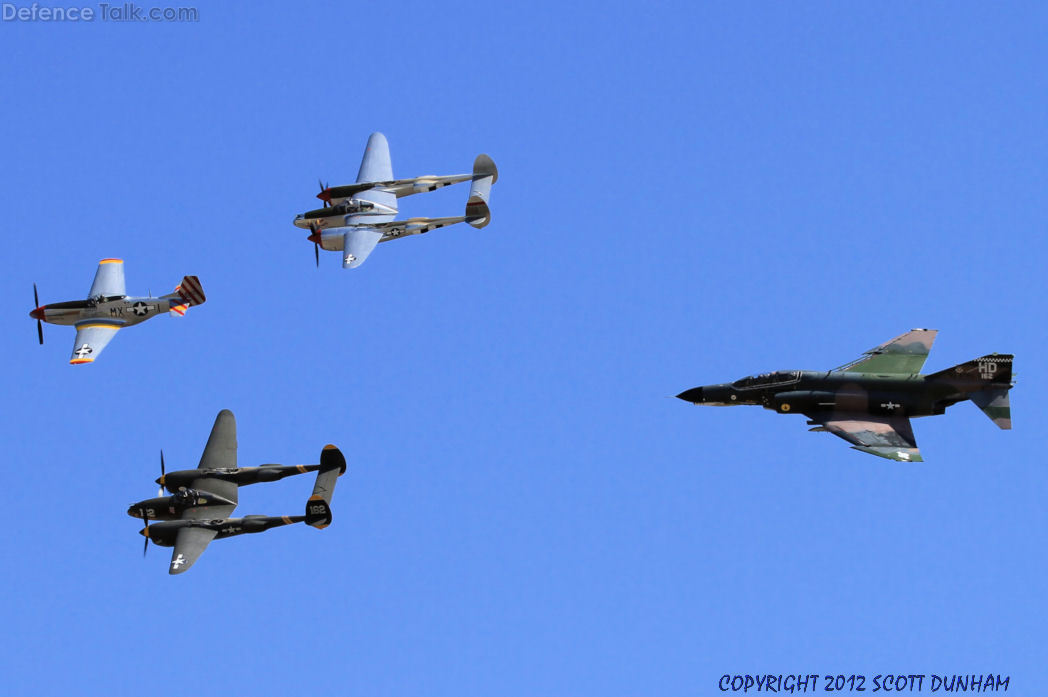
[(484, 175), (995, 404), (986, 381)]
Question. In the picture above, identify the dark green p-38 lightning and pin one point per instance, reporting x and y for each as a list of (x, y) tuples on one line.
[(869, 402), (201, 500)]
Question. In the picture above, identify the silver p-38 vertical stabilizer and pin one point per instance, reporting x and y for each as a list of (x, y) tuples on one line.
[(484, 175)]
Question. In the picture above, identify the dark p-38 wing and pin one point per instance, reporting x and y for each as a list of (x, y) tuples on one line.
[(219, 453)]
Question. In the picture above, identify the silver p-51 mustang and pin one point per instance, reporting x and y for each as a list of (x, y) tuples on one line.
[(108, 309)]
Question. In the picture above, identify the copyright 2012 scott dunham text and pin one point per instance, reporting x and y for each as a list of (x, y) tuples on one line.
[(890, 682)]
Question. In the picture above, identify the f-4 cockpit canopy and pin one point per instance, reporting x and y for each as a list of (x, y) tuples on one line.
[(779, 377)]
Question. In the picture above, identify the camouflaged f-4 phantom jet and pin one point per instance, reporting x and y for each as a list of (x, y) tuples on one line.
[(356, 217), (109, 309), (202, 499), (869, 402)]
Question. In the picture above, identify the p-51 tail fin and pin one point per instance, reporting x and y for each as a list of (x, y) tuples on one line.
[(187, 293), (318, 507)]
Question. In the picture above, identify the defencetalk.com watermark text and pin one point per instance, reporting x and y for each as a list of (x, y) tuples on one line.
[(102, 12)]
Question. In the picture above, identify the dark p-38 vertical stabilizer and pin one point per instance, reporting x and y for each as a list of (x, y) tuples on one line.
[(318, 507)]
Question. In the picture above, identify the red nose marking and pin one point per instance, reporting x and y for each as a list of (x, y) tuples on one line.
[(325, 195), (38, 313)]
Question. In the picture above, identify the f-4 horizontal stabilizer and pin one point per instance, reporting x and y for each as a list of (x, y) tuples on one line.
[(996, 405), (318, 507), (484, 175)]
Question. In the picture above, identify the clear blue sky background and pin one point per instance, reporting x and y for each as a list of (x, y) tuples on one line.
[(689, 193)]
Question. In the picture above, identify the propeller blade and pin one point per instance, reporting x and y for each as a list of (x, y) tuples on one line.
[(316, 254), (39, 324), (324, 196), (145, 533), (162, 473)]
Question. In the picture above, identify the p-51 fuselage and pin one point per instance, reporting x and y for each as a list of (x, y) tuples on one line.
[(127, 310)]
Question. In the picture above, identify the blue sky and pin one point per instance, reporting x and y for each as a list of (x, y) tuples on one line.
[(688, 193)]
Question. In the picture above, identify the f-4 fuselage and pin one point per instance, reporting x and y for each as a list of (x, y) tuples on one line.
[(811, 391)]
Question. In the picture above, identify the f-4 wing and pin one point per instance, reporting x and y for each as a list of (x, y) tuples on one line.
[(92, 335), (886, 436), (903, 355)]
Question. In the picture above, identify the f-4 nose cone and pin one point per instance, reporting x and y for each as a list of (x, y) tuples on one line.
[(694, 395)]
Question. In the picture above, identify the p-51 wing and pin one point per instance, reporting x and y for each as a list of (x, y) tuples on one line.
[(109, 280), (885, 436), (92, 335)]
